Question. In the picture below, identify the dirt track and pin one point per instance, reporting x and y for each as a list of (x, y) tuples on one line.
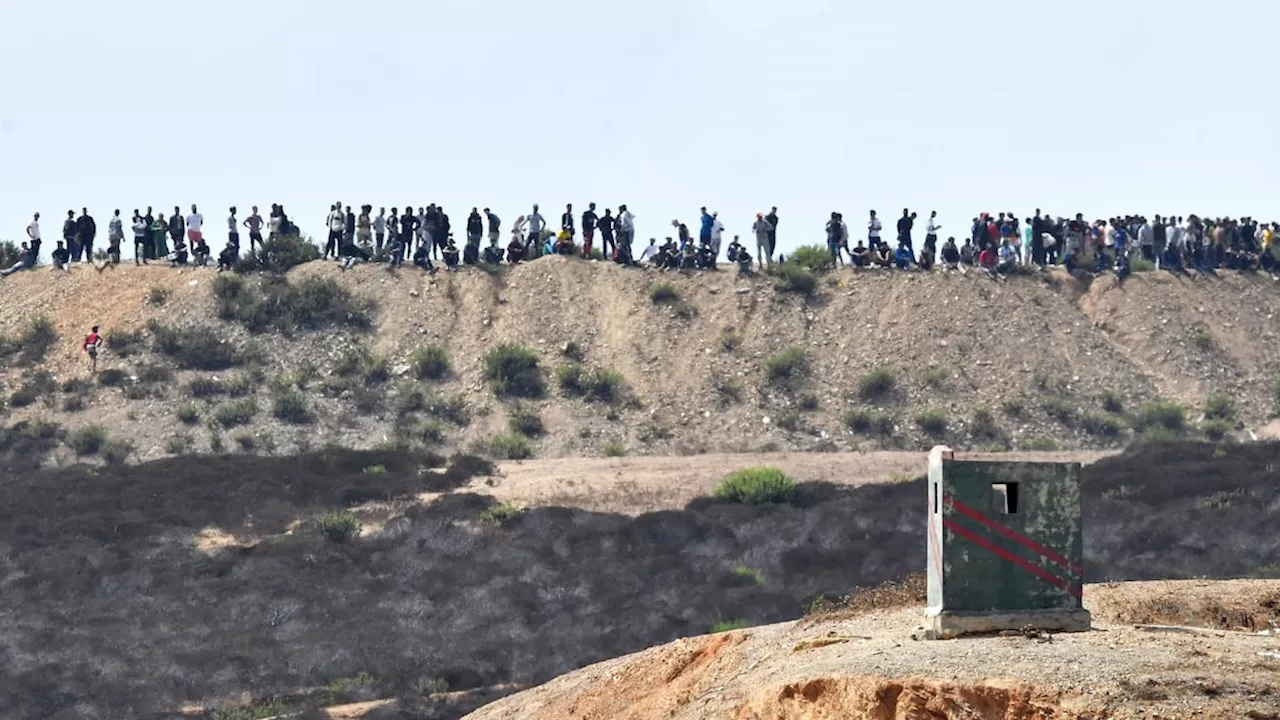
[(644, 484)]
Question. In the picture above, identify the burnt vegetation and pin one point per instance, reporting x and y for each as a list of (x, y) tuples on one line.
[(115, 612)]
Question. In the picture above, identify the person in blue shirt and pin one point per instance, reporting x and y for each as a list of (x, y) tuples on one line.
[(704, 234), (902, 256)]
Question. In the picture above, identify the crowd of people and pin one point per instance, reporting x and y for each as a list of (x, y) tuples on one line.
[(995, 244)]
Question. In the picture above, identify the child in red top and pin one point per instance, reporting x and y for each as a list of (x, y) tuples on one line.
[(987, 259), (91, 344)]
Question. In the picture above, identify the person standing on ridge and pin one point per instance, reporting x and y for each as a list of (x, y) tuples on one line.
[(33, 232), (442, 237), (379, 231), (195, 223), (873, 230), (627, 224), (254, 223), (566, 220), (705, 221), (348, 229), (86, 231), (177, 227), (536, 224), (495, 227), (717, 233), (336, 222), (764, 234), (607, 224), (931, 232), (91, 343), (589, 221), (69, 230), (772, 217), (115, 236), (233, 230), (905, 224), (140, 242)]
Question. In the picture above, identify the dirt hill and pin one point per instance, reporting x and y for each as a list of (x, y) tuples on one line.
[(282, 584), (708, 362)]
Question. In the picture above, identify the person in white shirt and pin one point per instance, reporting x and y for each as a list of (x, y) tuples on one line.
[(233, 230), (650, 251), (873, 230), (931, 232), (380, 229), (254, 223), (195, 221), (717, 231), (627, 224), (33, 232), (337, 224)]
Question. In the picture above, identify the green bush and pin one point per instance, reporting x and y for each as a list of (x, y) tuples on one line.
[(1013, 407), (1038, 444), (788, 367), (814, 258), (808, 402), (752, 575), (594, 384), (88, 440), (1159, 435), (790, 277), (614, 448), (279, 254), (983, 424), (32, 344), (74, 403), (574, 351), (363, 365), (877, 383), (125, 343), (513, 371), (663, 292), (236, 413), (261, 711), (1112, 402), (339, 527), (1102, 424), (501, 514), (430, 362), (189, 413), (756, 486), (116, 452), (157, 295), (509, 447), (278, 305), (730, 339), (1218, 406), (204, 387), (197, 348), (112, 377), (1158, 414), (525, 420), (935, 376), (1217, 428), (869, 422), (452, 408), (430, 432), (291, 406), (1059, 409), (729, 626), (932, 421)]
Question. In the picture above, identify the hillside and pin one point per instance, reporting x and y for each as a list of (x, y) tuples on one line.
[(342, 577), (1031, 363)]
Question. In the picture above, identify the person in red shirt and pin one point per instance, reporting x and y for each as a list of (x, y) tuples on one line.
[(91, 344), (987, 260)]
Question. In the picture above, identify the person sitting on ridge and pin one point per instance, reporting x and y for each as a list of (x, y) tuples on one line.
[(450, 255), (61, 258)]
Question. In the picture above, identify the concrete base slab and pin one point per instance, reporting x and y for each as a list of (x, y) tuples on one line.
[(946, 625)]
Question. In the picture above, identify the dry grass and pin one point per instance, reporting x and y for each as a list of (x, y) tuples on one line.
[(1244, 611), (908, 592)]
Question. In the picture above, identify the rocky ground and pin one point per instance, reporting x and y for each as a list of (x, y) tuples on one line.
[(722, 364)]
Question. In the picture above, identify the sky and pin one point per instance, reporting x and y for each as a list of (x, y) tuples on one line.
[(1097, 107)]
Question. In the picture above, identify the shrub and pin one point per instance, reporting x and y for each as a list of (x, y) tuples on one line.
[(500, 514), (730, 339), (877, 383), (88, 440), (197, 348), (452, 408), (983, 424), (363, 365), (729, 388), (595, 384), (373, 470), (869, 422), (430, 362), (154, 374), (189, 413), (116, 452), (291, 406), (33, 343), (1112, 402), (240, 385), (245, 440), (236, 413), (790, 277), (1217, 428), (808, 402), (756, 486), (1166, 415), (509, 447), (430, 432), (1159, 435), (1203, 339), (279, 254), (74, 403), (1013, 407), (1218, 406), (935, 376), (614, 448), (574, 351), (513, 371), (753, 575), (525, 420), (729, 626), (569, 378), (1039, 444), (430, 686), (933, 421), (663, 292), (339, 527), (1059, 409), (1103, 425), (112, 377), (10, 253), (203, 387), (261, 711), (125, 343), (285, 307), (788, 367), (23, 397), (157, 295), (814, 258)]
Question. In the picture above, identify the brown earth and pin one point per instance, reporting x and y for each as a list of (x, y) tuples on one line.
[(699, 381), (869, 667)]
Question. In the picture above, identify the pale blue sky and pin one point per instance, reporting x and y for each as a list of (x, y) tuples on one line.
[(667, 105)]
